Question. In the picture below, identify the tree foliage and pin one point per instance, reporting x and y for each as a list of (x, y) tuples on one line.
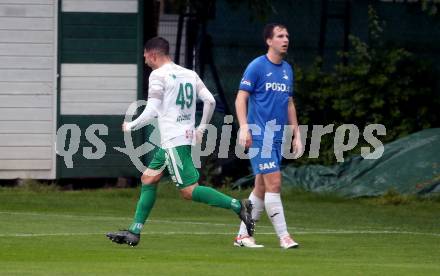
[(380, 84), (430, 6)]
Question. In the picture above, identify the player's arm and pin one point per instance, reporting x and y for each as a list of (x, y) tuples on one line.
[(293, 121), (208, 104), (246, 87), (241, 103), (156, 90), (149, 113)]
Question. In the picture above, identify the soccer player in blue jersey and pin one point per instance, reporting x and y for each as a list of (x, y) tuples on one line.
[(264, 106)]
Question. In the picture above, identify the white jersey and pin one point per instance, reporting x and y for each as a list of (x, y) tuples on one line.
[(178, 88)]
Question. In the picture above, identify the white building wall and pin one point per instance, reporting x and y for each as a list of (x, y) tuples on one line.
[(97, 89), (28, 43)]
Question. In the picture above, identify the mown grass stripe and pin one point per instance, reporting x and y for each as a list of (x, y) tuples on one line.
[(330, 232)]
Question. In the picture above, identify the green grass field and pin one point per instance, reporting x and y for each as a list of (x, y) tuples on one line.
[(49, 232)]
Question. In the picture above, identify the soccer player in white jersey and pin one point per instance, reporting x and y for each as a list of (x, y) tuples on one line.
[(172, 95), (265, 100)]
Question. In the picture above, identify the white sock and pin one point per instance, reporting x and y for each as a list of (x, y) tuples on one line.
[(257, 210), (275, 212)]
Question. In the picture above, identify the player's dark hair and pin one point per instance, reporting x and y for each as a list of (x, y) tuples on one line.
[(268, 30), (158, 44)]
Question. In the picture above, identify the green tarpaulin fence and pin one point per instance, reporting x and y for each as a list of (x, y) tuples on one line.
[(410, 165)]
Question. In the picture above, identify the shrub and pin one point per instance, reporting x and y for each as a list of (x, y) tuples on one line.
[(380, 84)]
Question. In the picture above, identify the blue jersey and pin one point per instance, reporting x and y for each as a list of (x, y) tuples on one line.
[(270, 85)]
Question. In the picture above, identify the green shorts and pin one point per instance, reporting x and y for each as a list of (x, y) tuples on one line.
[(179, 163)]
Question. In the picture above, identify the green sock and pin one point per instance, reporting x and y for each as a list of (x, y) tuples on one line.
[(213, 197), (143, 208)]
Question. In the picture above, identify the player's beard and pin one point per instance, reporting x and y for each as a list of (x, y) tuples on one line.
[(282, 53)]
